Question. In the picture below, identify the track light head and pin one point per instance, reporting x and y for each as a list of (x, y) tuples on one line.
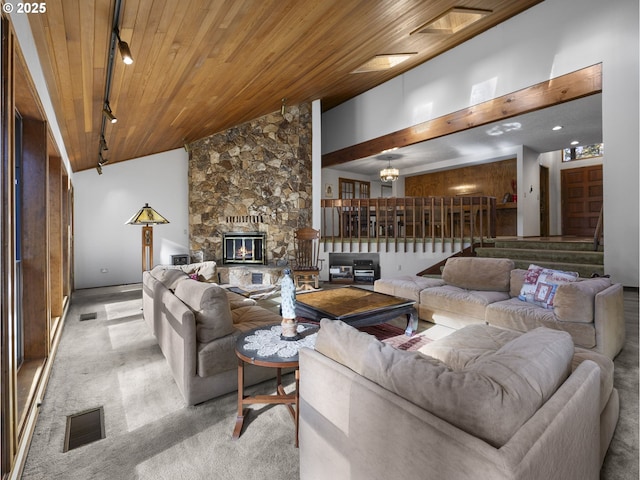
[(108, 113), (102, 161), (125, 52), (99, 169), (123, 46)]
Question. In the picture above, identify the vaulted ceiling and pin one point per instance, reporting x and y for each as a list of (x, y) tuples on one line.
[(202, 66)]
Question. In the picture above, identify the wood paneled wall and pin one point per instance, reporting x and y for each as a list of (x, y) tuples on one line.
[(491, 179), (36, 257), (35, 233)]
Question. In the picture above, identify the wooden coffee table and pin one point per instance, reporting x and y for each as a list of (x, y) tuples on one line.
[(358, 307)]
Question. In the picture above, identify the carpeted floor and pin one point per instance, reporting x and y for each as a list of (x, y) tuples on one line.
[(114, 362)]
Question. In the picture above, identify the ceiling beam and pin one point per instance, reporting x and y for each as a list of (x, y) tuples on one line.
[(578, 84)]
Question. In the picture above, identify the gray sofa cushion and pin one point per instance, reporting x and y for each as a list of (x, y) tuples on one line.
[(463, 347), (575, 302), (211, 307), (236, 300), (169, 277), (490, 398), (523, 316), (406, 286), (478, 273), (467, 345), (466, 303), (248, 317)]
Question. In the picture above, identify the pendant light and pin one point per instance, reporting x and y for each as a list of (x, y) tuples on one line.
[(389, 174)]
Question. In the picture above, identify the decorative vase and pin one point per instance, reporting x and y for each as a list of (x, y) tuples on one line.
[(288, 307)]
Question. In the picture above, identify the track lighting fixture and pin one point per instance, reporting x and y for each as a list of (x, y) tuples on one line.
[(108, 113), (123, 46), (125, 53)]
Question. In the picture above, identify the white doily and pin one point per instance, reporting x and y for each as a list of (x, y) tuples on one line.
[(267, 342)]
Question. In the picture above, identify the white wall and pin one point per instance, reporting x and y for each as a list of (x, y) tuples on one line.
[(541, 43), (103, 203)]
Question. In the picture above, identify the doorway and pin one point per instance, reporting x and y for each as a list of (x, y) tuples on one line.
[(581, 190), (544, 201)]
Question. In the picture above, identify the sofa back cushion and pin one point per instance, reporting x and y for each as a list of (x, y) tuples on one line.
[(575, 302), (169, 277), (211, 307), (477, 273), (202, 271), (490, 399), (517, 281)]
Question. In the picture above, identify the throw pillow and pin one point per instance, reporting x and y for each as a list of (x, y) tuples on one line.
[(540, 285)]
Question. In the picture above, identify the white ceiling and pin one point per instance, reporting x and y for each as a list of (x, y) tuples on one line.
[(581, 120)]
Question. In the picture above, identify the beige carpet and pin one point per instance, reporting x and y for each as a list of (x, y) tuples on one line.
[(114, 362)]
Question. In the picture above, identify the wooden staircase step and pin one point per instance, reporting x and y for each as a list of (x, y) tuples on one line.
[(579, 245), (543, 255)]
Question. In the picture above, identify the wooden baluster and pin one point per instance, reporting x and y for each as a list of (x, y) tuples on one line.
[(451, 216)]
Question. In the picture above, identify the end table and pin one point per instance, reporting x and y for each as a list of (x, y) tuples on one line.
[(263, 347)]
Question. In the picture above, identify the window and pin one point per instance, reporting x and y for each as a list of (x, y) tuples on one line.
[(354, 188), (582, 152)]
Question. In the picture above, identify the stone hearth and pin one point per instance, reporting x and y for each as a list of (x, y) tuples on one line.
[(247, 275)]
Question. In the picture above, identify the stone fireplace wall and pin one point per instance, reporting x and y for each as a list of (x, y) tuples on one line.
[(255, 177)]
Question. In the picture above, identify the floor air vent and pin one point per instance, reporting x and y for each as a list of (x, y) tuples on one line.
[(88, 316), (84, 428)]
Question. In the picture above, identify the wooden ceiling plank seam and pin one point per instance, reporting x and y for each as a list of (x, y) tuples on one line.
[(86, 54), (71, 55), (198, 38), (166, 58)]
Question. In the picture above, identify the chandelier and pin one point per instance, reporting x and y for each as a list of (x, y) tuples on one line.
[(389, 174)]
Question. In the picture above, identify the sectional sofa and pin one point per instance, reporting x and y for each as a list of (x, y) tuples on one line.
[(483, 402), (475, 290), (196, 323)]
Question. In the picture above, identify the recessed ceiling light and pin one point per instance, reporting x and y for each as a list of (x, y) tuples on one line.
[(557, 127), (453, 20), (383, 62), (575, 142)]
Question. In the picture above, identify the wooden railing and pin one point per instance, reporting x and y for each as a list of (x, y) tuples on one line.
[(417, 220)]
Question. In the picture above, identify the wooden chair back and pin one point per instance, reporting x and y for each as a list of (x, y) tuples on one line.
[(307, 248)]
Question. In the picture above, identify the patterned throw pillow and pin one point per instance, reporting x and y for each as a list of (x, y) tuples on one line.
[(540, 285)]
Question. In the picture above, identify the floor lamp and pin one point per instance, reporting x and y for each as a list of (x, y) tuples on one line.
[(147, 217)]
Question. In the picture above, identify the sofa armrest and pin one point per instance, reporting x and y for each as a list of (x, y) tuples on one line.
[(176, 335), (609, 320), (345, 422)]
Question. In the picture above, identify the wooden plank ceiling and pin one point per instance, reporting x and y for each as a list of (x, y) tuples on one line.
[(202, 66)]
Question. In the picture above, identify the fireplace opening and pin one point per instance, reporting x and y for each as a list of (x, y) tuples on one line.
[(243, 248)]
